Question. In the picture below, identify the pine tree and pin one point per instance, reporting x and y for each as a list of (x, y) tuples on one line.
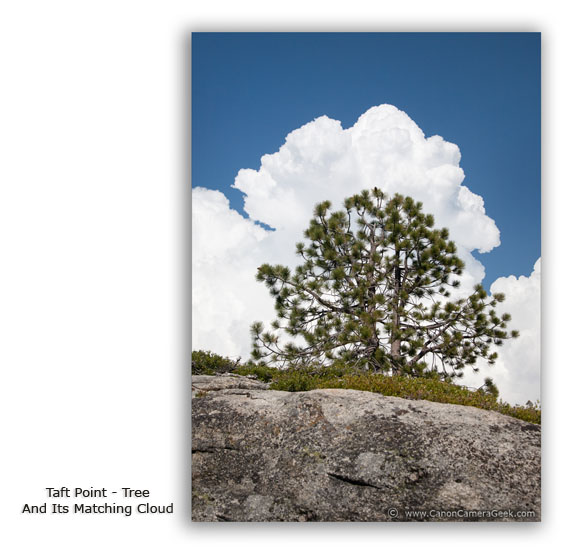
[(374, 291)]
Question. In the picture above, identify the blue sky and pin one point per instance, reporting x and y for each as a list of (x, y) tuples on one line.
[(478, 90)]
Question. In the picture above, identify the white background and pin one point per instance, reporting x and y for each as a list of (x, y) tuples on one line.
[(95, 267)]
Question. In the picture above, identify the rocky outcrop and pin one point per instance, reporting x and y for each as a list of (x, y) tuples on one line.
[(347, 455)]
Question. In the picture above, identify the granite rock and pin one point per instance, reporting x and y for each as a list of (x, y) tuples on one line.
[(348, 455)]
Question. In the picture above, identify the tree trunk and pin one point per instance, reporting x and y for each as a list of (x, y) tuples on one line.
[(395, 347)]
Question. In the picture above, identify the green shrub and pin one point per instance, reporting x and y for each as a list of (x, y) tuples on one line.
[(413, 388), (262, 372), (208, 363), (340, 376)]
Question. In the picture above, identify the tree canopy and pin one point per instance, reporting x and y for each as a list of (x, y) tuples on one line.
[(374, 291)]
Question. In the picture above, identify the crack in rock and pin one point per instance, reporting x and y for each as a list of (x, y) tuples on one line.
[(212, 449), (352, 481)]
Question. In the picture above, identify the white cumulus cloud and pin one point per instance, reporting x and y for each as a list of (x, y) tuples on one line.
[(319, 161), (517, 370), (226, 250)]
